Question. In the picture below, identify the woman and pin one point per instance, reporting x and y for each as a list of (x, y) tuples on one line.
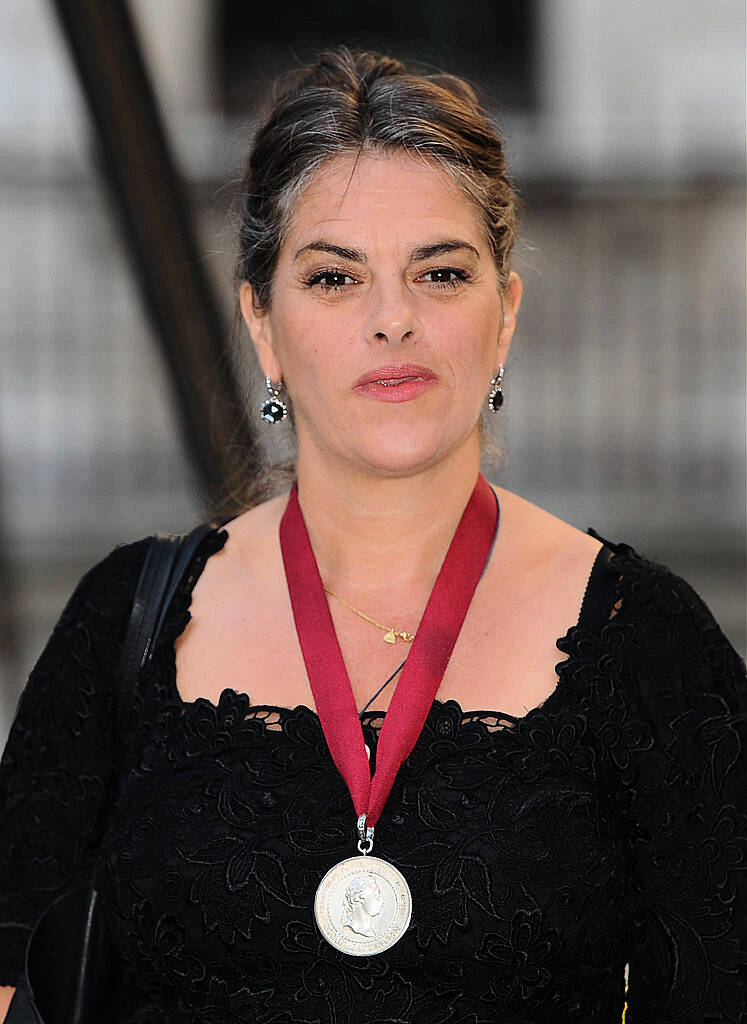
[(589, 822)]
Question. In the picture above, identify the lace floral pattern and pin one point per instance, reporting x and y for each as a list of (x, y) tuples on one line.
[(607, 826)]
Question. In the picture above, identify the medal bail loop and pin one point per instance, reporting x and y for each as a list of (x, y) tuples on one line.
[(365, 834)]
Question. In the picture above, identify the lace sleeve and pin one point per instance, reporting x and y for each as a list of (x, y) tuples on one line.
[(55, 772), (684, 807)]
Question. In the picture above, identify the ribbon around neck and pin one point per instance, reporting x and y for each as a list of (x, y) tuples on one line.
[(464, 564)]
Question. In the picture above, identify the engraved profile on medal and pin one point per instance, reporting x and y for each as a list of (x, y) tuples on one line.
[(363, 905)]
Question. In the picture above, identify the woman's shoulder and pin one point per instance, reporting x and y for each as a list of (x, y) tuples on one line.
[(254, 547), (646, 589), (664, 631), (102, 599), (537, 552), (110, 580), (99, 600), (535, 533), (538, 533)]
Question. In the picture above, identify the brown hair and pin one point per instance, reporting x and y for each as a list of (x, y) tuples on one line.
[(350, 101)]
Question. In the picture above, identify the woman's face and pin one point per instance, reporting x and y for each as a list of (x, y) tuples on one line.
[(385, 275)]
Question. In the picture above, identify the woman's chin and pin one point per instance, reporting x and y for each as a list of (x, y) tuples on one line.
[(388, 451), (399, 456)]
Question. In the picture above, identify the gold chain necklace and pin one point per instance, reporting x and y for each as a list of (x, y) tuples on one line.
[(391, 635)]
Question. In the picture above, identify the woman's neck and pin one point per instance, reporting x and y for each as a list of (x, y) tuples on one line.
[(374, 535)]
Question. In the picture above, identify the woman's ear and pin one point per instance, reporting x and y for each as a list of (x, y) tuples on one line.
[(511, 300), (259, 324)]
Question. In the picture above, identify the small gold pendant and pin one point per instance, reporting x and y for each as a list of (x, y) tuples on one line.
[(390, 637)]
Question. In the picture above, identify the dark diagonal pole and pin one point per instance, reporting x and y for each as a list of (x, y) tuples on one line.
[(151, 201)]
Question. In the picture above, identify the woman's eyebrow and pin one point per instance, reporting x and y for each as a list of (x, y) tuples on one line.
[(339, 250), (426, 252), (422, 252)]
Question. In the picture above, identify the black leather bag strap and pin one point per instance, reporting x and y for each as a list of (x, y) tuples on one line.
[(189, 545), (165, 563), (151, 587)]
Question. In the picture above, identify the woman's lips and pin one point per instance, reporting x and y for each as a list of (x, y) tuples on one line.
[(396, 383)]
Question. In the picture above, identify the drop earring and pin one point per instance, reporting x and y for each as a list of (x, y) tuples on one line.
[(273, 410), (495, 401)]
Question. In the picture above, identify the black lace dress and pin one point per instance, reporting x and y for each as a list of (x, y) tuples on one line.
[(606, 827)]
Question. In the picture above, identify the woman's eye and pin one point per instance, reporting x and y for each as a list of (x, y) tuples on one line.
[(330, 280), (338, 280), (447, 277)]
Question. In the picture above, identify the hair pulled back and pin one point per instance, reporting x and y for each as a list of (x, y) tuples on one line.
[(355, 100)]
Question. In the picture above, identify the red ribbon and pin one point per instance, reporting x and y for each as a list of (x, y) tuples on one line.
[(426, 663)]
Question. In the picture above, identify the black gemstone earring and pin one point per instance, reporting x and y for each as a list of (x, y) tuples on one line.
[(273, 410), (495, 401)]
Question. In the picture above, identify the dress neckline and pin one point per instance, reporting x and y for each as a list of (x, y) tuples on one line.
[(179, 615)]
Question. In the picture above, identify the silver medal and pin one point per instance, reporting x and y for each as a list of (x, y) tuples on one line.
[(363, 905)]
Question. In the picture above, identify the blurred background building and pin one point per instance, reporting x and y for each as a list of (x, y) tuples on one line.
[(625, 410)]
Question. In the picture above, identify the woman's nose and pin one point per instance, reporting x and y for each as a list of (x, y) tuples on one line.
[(393, 319)]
